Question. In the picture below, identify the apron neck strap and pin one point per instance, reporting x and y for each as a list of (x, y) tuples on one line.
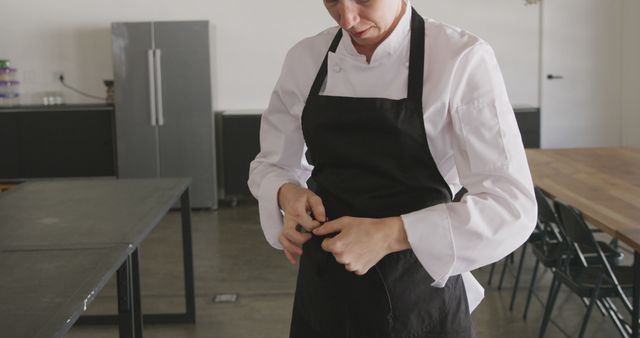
[(322, 73), (416, 59)]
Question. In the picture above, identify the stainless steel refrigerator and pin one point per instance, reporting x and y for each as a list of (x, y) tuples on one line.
[(164, 122)]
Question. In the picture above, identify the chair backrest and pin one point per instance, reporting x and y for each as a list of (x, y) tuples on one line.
[(580, 237), (578, 233), (545, 212), (547, 217)]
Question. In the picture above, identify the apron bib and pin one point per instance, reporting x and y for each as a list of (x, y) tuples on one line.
[(371, 159)]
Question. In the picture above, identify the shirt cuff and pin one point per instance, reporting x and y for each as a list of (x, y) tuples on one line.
[(475, 291), (429, 233), (270, 214)]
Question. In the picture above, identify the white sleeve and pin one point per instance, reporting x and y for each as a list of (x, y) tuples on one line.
[(499, 212), (282, 147)]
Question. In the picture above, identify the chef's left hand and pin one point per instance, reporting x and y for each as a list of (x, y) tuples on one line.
[(361, 242)]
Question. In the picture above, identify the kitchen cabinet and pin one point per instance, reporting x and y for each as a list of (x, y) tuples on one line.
[(529, 124), (238, 143), (56, 141)]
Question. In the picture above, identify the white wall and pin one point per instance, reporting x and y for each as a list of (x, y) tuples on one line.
[(631, 74), (250, 40), (510, 27)]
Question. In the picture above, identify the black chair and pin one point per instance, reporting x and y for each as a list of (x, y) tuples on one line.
[(551, 248), (593, 278)]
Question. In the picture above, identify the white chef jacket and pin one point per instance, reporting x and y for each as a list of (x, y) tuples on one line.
[(471, 130)]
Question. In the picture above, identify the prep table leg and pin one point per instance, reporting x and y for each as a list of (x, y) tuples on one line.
[(125, 303), (187, 256), (635, 313), (137, 297), (189, 316)]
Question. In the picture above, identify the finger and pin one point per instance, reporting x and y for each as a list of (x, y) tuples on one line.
[(361, 272), (286, 247), (329, 227), (290, 247), (317, 208), (295, 216), (296, 237), (340, 258), (291, 229), (349, 267), (328, 245), (299, 215), (290, 257), (307, 222)]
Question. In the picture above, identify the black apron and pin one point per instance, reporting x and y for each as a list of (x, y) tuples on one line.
[(371, 159)]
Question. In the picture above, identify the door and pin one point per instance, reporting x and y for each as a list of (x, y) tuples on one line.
[(186, 131), (581, 74), (136, 135)]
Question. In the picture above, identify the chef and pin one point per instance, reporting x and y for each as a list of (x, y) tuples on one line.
[(372, 128)]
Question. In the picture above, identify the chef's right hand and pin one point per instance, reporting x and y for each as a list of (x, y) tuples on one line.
[(299, 205)]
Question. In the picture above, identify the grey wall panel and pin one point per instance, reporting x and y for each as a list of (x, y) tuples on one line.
[(186, 137), (136, 137)]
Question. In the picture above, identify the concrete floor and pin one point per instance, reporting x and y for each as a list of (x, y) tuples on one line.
[(231, 256)]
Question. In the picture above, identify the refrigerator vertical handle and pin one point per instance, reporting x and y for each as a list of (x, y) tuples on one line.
[(152, 88), (158, 61)]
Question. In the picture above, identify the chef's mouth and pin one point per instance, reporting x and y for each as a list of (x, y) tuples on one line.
[(360, 33)]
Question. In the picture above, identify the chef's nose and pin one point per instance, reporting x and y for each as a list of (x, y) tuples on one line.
[(348, 12)]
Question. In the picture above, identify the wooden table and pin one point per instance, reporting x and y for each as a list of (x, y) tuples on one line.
[(604, 184)]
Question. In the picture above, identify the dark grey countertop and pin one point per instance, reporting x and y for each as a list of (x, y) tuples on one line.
[(44, 291), (61, 241), (69, 213), (53, 108)]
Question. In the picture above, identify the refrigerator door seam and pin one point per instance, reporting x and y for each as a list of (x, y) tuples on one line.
[(158, 64), (152, 87)]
